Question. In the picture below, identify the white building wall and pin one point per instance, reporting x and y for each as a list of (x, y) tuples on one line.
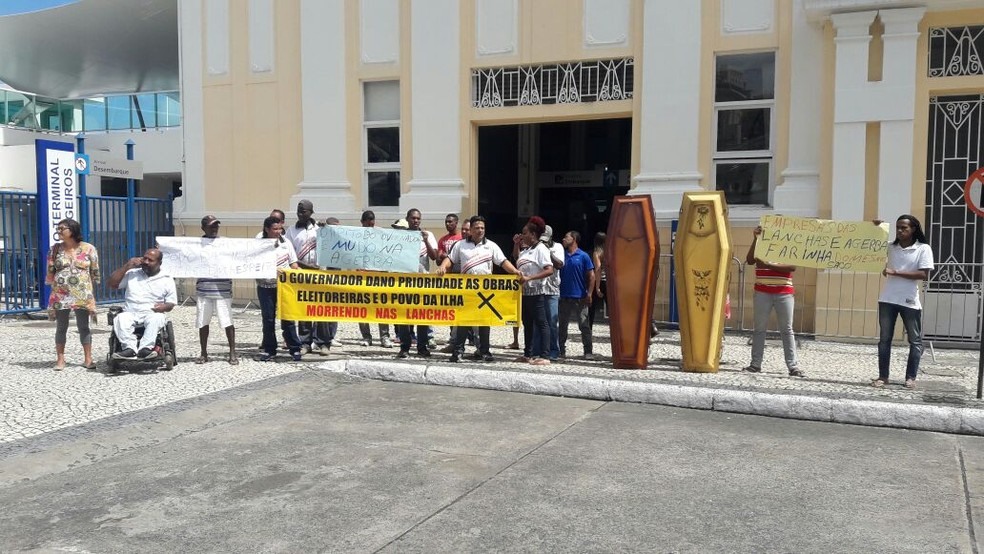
[(435, 99), (670, 104)]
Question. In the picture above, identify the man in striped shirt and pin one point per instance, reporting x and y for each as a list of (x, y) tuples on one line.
[(773, 291), (214, 295)]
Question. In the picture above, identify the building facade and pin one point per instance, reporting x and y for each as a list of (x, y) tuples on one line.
[(842, 109)]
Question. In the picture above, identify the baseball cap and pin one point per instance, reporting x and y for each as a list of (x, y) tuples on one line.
[(210, 220), (401, 224), (547, 233)]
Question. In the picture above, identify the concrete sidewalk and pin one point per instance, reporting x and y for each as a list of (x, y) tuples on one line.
[(37, 400)]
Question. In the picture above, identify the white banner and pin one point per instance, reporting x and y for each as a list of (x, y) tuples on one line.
[(219, 258)]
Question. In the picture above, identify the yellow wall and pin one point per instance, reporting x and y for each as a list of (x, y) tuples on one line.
[(252, 121)]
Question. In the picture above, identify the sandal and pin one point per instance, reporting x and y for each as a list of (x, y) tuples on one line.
[(201, 360), (910, 384), (878, 383), (233, 361), (522, 360), (539, 361), (90, 365)]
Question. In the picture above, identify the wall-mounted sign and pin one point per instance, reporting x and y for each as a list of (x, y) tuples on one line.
[(115, 167)]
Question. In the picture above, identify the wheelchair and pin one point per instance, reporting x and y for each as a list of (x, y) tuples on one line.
[(164, 346)]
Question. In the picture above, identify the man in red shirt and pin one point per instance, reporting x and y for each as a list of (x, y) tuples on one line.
[(773, 291), (445, 243)]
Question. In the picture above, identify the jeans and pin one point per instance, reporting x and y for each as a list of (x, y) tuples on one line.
[(570, 307), (535, 317), (384, 330), (268, 311), (317, 333), (783, 305), (404, 332), (912, 321), (460, 335), (551, 307)]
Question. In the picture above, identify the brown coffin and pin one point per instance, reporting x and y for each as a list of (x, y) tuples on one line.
[(631, 262)]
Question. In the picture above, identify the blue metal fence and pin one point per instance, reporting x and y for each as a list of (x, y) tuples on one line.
[(22, 266), (20, 262)]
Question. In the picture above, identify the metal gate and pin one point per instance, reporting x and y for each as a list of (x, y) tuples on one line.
[(953, 295), (22, 266)]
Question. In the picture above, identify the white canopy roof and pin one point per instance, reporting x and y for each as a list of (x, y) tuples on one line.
[(91, 48)]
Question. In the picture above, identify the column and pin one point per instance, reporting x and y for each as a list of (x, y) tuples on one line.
[(899, 84), (669, 106), (798, 193), (435, 103), (191, 204), (323, 81), (850, 86)]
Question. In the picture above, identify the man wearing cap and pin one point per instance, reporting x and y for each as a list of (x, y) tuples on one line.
[(551, 289), (214, 295), (304, 236)]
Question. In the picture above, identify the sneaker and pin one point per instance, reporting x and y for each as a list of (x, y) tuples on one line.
[(325, 350), (125, 353), (335, 343), (488, 358), (403, 354), (447, 349), (297, 356), (385, 342), (365, 342), (454, 358), (266, 357), (424, 353), (796, 372), (146, 354), (588, 356), (476, 356), (753, 369)]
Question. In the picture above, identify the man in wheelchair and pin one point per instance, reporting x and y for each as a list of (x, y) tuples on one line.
[(149, 295)]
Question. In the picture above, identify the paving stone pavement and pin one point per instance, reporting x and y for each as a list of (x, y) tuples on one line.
[(34, 399)]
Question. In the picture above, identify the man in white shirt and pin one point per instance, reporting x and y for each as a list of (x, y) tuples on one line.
[(475, 255), (314, 336), (428, 252), (149, 295), (910, 260)]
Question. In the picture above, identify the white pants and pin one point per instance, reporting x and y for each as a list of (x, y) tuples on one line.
[(125, 323), (222, 307)]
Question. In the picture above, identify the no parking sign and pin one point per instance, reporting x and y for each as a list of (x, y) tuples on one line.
[(974, 192)]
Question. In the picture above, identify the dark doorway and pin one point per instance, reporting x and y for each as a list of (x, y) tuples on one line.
[(566, 172)]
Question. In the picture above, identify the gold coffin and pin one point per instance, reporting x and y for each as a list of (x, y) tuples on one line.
[(702, 256)]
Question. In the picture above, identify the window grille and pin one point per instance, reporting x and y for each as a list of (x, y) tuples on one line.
[(563, 83)]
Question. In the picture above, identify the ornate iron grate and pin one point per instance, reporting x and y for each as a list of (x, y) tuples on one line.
[(955, 51), (562, 83)]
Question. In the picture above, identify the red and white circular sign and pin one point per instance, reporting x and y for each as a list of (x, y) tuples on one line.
[(974, 192)]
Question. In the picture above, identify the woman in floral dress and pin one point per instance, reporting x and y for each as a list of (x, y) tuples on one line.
[(73, 269)]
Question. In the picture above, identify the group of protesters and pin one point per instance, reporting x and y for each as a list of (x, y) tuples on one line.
[(560, 282)]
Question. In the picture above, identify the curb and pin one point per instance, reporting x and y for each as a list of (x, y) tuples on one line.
[(922, 417)]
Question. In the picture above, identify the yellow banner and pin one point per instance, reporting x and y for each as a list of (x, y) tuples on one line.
[(402, 298), (823, 243)]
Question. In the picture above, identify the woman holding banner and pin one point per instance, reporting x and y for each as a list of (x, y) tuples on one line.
[(535, 265), (266, 292), (773, 291), (73, 268)]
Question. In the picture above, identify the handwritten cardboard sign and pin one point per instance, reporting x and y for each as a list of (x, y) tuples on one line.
[(225, 258), (372, 248), (823, 243)]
